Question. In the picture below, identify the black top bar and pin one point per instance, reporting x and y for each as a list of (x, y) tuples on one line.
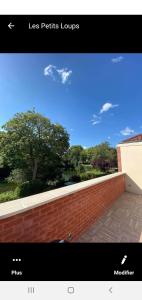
[(70, 33)]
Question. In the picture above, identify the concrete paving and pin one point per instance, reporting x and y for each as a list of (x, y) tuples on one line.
[(122, 222)]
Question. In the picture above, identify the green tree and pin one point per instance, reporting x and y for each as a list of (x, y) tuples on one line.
[(104, 156), (31, 142), (84, 156), (74, 155)]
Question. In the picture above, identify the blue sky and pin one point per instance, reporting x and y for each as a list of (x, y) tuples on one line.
[(96, 97)]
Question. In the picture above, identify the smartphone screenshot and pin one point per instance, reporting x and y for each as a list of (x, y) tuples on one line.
[(70, 157)]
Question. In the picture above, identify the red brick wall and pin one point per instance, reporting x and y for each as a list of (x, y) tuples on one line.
[(119, 159), (69, 214)]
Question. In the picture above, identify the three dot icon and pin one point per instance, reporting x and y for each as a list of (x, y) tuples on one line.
[(16, 259)]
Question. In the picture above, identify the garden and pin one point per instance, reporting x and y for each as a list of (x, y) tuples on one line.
[(36, 156)]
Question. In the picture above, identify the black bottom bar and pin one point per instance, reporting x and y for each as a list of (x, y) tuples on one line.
[(63, 261)]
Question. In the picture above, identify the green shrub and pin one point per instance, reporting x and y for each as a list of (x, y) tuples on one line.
[(87, 168), (29, 188), (91, 174), (80, 169), (53, 184), (87, 175), (8, 196), (75, 178), (6, 187), (16, 176)]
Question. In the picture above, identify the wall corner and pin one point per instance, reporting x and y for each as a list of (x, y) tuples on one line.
[(119, 159)]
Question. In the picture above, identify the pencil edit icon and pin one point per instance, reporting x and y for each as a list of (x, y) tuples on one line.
[(123, 259)]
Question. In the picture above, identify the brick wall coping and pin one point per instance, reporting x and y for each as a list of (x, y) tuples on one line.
[(21, 205), (129, 144)]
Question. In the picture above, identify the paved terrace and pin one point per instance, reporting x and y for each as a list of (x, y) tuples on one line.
[(122, 222)]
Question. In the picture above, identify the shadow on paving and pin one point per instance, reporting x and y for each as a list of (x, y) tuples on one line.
[(122, 222)]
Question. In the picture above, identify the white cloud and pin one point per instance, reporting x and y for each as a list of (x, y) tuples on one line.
[(57, 74), (127, 131), (109, 137), (49, 71), (96, 120), (117, 59), (65, 74), (107, 106)]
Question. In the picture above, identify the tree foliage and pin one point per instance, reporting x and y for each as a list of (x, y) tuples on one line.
[(104, 156), (101, 156), (37, 153), (32, 143), (74, 155)]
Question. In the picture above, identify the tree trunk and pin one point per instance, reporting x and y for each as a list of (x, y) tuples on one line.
[(35, 169)]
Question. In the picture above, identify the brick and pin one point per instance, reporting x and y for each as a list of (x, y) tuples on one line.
[(54, 220)]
